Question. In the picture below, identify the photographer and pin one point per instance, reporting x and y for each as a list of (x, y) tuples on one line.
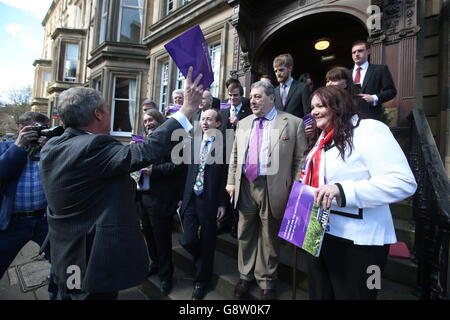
[(22, 199)]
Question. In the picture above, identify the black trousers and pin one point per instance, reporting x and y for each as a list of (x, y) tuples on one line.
[(200, 244), (156, 219), (341, 272)]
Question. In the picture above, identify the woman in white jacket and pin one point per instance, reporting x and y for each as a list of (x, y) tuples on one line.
[(358, 169)]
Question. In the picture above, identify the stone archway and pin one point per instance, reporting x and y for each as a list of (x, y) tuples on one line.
[(298, 38)]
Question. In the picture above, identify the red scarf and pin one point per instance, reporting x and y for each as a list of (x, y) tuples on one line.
[(310, 175)]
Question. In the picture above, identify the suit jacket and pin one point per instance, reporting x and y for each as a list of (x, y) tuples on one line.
[(215, 176), (12, 162), (297, 101), (286, 155), (378, 81), (92, 215), (244, 112)]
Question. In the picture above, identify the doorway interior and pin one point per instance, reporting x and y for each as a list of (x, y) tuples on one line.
[(298, 39)]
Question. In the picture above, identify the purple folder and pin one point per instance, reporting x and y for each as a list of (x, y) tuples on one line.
[(190, 49), (137, 138), (308, 120), (304, 223)]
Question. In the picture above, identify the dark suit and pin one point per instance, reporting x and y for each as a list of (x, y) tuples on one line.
[(158, 205), (92, 216), (244, 112), (297, 101), (377, 81), (202, 210)]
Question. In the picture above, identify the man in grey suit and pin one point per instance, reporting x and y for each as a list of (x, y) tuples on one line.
[(96, 244), (290, 96)]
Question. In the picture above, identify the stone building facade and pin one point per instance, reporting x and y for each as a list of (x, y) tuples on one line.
[(117, 47)]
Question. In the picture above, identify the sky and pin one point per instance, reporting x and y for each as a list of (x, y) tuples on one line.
[(21, 41)]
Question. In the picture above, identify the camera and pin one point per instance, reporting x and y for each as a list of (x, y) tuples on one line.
[(43, 130)]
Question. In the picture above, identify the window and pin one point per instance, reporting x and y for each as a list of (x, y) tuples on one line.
[(123, 106), (214, 53), (103, 21), (183, 2), (46, 78), (97, 84), (180, 80), (164, 86), (68, 62), (169, 6), (130, 21)]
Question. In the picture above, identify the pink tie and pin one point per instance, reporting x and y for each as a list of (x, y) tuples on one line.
[(252, 162)]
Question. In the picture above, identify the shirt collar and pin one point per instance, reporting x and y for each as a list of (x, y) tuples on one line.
[(270, 116), (364, 66), (288, 82)]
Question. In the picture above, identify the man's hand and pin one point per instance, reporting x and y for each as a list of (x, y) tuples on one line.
[(367, 97), (233, 120), (230, 189), (325, 194), (220, 212), (147, 170), (192, 94), (26, 137)]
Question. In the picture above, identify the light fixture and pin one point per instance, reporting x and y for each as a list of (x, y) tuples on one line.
[(322, 44)]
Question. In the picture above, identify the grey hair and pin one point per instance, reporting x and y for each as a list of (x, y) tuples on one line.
[(30, 116), (174, 92), (76, 106), (268, 87)]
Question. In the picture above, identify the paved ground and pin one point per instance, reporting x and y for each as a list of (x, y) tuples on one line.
[(10, 288)]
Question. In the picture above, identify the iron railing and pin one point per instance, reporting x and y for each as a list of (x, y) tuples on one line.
[(431, 211)]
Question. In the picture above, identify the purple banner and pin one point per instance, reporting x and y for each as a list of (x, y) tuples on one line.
[(172, 108), (137, 138), (224, 106), (190, 49)]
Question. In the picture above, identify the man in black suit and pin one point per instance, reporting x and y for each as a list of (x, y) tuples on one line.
[(96, 244), (204, 199), (239, 109), (290, 95), (373, 82)]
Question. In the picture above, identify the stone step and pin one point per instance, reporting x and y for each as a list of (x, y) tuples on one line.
[(226, 275), (402, 210), (400, 270)]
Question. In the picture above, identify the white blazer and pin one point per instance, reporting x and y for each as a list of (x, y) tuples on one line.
[(374, 175)]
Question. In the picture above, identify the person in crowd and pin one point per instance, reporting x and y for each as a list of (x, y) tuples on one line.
[(373, 82), (306, 78), (96, 244), (338, 76), (158, 195), (290, 95), (204, 199), (267, 152), (207, 101), (265, 77), (22, 198), (358, 169), (177, 99), (239, 109), (148, 104)]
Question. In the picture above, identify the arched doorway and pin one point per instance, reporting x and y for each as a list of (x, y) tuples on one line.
[(298, 39)]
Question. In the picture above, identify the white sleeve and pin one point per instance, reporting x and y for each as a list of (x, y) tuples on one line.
[(183, 120), (391, 179)]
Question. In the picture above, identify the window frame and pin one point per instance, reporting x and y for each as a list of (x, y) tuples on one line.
[(119, 25), (114, 99)]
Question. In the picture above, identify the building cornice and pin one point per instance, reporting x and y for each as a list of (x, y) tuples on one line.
[(42, 62), (68, 31)]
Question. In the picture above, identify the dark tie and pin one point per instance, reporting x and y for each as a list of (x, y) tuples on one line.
[(358, 76), (252, 162), (199, 180)]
